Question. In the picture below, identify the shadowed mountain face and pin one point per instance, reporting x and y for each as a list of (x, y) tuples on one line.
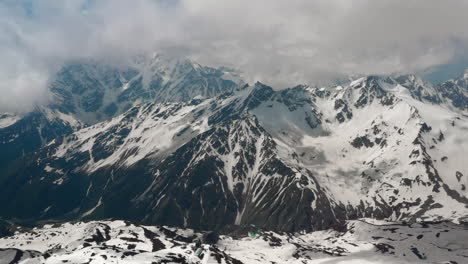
[(208, 151), (21, 135)]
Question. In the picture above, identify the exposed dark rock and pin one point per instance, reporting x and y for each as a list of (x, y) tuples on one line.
[(362, 141)]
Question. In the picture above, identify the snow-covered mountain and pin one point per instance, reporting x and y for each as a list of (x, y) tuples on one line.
[(86, 92), (298, 159), (363, 241), (96, 91), (456, 91)]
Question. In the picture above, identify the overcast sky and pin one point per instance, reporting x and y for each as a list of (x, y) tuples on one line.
[(278, 42)]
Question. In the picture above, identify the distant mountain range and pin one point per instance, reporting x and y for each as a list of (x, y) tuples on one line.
[(167, 141)]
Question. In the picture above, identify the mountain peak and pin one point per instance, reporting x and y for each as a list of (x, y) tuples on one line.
[(412, 81), (259, 92), (96, 92), (371, 81)]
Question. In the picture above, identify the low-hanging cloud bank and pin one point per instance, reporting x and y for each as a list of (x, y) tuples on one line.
[(279, 42)]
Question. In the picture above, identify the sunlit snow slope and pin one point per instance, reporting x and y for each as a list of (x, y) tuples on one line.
[(363, 241)]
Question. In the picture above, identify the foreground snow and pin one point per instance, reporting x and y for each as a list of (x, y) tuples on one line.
[(360, 241)]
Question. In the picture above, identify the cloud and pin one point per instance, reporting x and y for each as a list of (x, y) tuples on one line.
[(278, 42)]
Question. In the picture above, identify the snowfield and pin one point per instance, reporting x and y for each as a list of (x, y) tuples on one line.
[(359, 241)]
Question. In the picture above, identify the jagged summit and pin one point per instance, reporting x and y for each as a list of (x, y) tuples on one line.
[(419, 89), (452, 93), (94, 92)]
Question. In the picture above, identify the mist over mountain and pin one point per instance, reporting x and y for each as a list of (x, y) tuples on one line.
[(168, 141), (192, 131), (282, 44)]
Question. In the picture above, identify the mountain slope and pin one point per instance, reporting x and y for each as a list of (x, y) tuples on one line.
[(251, 173), (297, 159), (22, 134), (394, 150)]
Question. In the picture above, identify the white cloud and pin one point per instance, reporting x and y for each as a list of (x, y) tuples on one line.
[(279, 42)]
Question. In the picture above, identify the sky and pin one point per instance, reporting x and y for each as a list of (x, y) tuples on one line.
[(281, 43)]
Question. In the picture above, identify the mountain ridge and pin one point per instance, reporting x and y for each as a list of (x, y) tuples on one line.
[(345, 135)]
